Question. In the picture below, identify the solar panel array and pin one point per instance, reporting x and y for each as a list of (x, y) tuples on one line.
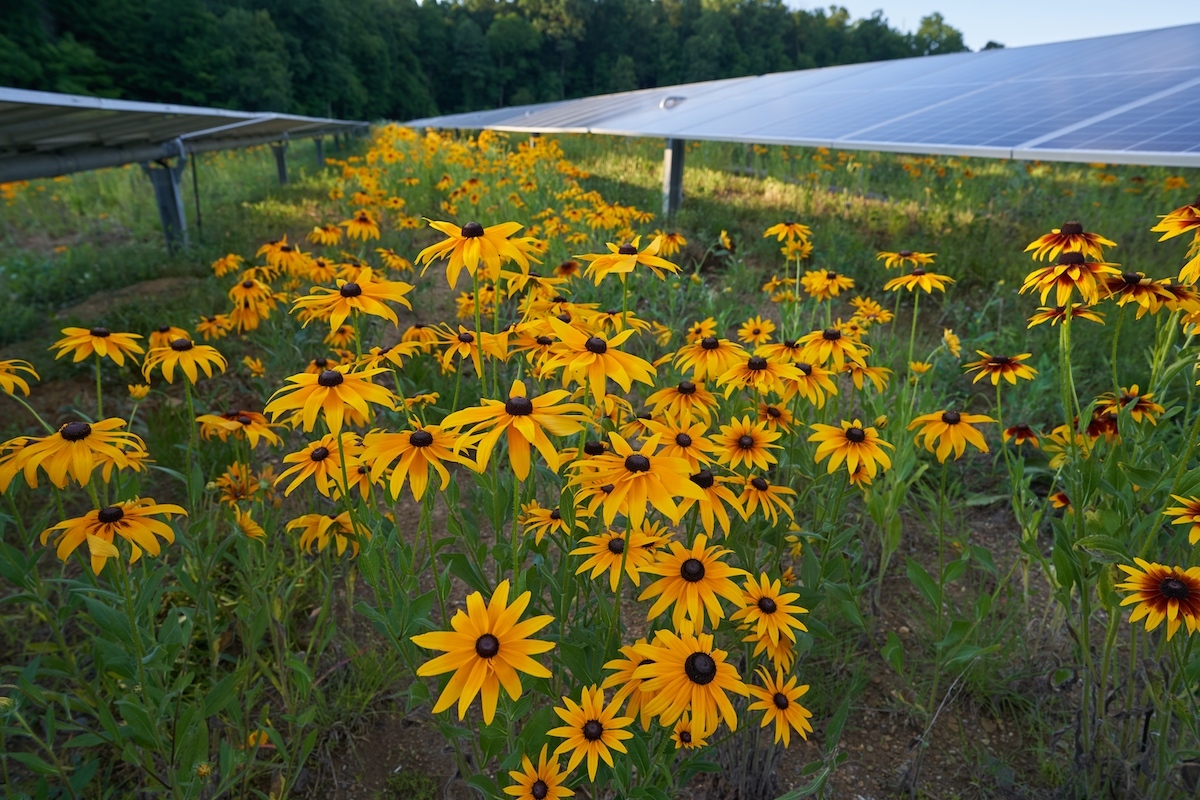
[(1131, 98), (44, 134)]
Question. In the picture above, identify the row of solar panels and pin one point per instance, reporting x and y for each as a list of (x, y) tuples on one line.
[(43, 134), (1132, 98)]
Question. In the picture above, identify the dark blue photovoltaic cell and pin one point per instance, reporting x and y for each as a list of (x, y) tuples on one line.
[(1092, 98)]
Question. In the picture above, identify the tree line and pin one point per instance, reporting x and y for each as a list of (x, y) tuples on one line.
[(398, 59)]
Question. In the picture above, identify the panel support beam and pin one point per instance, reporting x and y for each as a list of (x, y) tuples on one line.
[(280, 150), (319, 145), (672, 186), (166, 179)]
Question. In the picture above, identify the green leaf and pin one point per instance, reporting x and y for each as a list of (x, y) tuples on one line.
[(925, 585), (893, 652), (34, 763), (1105, 548)]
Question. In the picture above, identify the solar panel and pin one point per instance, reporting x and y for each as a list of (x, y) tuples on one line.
[(1132, 97)]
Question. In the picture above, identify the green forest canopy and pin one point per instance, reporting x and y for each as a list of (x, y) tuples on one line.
[(371, 59)]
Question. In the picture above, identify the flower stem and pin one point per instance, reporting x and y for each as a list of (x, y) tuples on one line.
[(99, 393), (191, 422)]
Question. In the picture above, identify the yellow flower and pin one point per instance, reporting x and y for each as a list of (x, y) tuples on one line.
[(621, 260), (952, 342), (852, 443), (332, 392), (950, 430), (361, 226), (545, 782), (593, 360), (83, 342), (1163, 593), (692, 580), (77, 448), (10, 377), (187, 355), (138, 391), (248, 526), (472, 244), (919, 278), (684, 672), (320, 529), (365, 294), (756, 331), (779, 703), (592, 729), (132, 520), (1008, 367)]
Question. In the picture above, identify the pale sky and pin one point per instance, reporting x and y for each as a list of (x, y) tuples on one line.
[(1021, 22)]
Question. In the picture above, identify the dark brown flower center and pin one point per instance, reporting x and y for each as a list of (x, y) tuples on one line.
[(1173, 588), (831, 275), (330, 378), (759, 483), (487, 646), (685, 737), (767, 606), (700, 668), (780, 700), (100, 332), (319, 454), (1000, 361), (592, 730), (746, 442), (320, 363), (856, 435), (1071, 228), (1132, 278), (917, 272), (110, 515), (692, 570), (162, 328), (905, 253), (627, 250), (607, 488), (637, 463), (683, 440), (472, 230), (616, 545), (951, 417), (243, 419), (704, 479), (518, 406), (831, 334), (594, 448), (756, 363), (350, 289), (805, 368), (710, 343), (1071, 258), (596, 345), (75, 431), (773, 412), (539, 790), (545, 341), (182, 345), (420, 438), (686, 387), (466, 337)]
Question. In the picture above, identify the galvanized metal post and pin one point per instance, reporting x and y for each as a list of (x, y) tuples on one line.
[(166, 180), (280, 150), (319, 143), (672, 186)]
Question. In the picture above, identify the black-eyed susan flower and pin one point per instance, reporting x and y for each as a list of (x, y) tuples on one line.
[(246, 524), (684, 440), (214, 327), (685, 736), (1187, 513), (132, 520), (709, 357), (471, 245), (606, 552), (1163, 593), (1134, 287), (950, 431), (861, 373), (523, 421), (758, 492), (768, 610), (951, 342), (623, 259), (592, 730), (1141, 405), (362, 225), (780, 703), (84, 342), (775, 417), (700, 329), (248, 424), (902, 258), (627, 686), (412, 452), (138, 391), (1070, 238), (485, 650), (188, 356), (717, 497), (76, 449), (322, 461), (831, 346), (745, 442), (788, 230), (319, 530), (10, 376), (1020, 434), (328, 235), (332, 393), (851, 443), (693, 578), (758, 374), (812, 382), (539, 521), (163, 335), (684, 672), (237, 484), (996, 367), (543, 782), (756, 331), (919, 279), (1072, 272), (636, 478), (825, 284), (685, 401), (1055, 314), (366, 294), (591, 360)]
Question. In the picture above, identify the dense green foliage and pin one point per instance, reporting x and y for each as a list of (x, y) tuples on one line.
[(395, 58)]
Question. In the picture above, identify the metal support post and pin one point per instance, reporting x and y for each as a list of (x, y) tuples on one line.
[(166, 180), (319, 144), (280, 150), (672, 186)]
